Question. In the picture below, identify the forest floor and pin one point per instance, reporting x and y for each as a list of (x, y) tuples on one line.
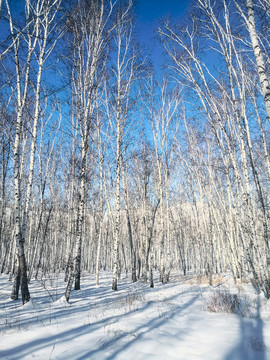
[(185, 319)]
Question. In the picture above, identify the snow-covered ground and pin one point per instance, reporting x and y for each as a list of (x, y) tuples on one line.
[(171, 321)]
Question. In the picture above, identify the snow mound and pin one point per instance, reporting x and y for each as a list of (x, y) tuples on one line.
[(30, 305)]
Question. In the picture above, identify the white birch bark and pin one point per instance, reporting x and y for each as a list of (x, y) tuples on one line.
[(125, 72), (162, 130), (37, 18), (20, 274), (258, 53), (101, 201), (129, 228), (89, 27)]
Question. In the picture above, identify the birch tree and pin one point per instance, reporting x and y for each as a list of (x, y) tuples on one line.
[(162, 115), (250, 21), (231, 135), (91, 25), (40, 23), (126, 69)]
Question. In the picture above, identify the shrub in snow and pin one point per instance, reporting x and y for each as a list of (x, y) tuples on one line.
[(222, 301)]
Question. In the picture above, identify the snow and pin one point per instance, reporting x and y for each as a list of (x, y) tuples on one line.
[(170, 321)]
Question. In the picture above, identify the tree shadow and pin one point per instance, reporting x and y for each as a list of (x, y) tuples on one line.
[(139, 332), (251, 345), (23, 350)]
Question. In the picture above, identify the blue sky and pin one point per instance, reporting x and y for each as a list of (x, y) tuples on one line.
[(148, 12)]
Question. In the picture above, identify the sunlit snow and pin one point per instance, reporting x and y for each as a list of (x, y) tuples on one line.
[(171, 321)]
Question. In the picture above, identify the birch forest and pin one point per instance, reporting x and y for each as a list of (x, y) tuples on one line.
[(108, 164)]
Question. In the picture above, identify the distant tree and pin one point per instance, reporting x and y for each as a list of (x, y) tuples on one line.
[(122, 99)]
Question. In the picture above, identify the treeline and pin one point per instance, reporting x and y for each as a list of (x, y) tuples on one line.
[(105, 167)]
